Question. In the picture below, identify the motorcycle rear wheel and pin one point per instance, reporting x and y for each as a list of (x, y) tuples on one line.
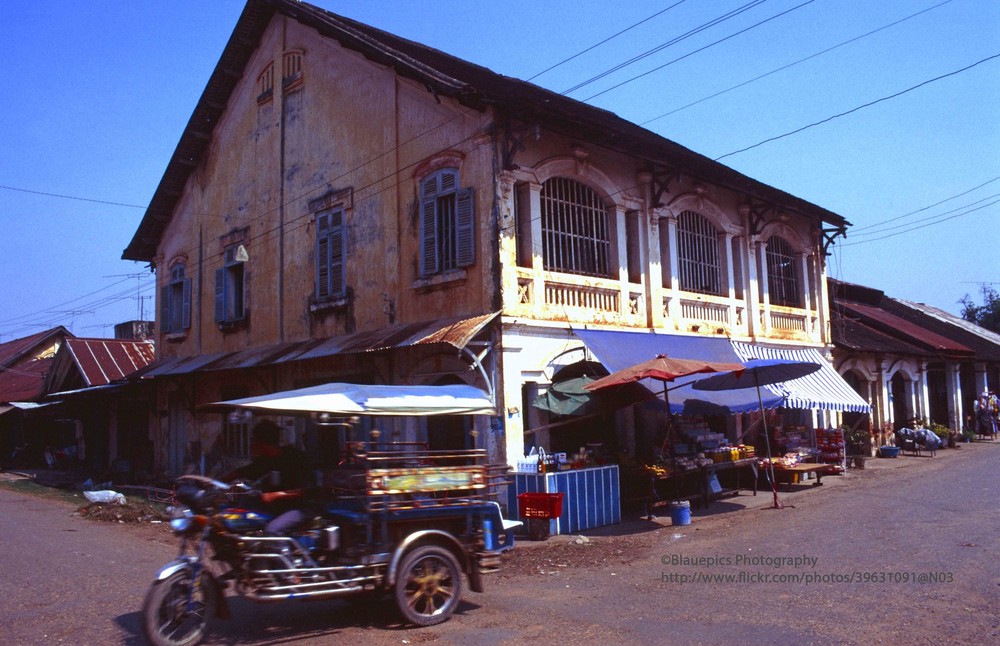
[(167, 617)]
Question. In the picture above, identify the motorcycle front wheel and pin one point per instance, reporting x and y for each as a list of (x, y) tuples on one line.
[(174, 614)]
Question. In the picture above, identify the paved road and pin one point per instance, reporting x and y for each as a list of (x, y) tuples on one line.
[(904, 551)]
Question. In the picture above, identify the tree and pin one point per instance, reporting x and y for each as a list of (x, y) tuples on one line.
[(986, 315)]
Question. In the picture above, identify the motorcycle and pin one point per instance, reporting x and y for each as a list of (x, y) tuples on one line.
[(381, 540)]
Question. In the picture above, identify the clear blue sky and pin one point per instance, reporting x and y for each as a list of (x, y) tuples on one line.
[(96, 95)]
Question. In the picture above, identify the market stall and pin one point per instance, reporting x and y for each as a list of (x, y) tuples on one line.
[(591, 496)]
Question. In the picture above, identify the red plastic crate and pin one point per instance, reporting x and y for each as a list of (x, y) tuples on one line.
[(539, 505)]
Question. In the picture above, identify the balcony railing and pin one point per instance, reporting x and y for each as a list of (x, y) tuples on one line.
[(567, 297), (585, 299)]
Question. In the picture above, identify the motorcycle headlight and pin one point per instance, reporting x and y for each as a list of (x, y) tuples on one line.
[(182, 521)]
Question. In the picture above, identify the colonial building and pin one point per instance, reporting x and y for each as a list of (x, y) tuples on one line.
[(347, 205), (910, 360)]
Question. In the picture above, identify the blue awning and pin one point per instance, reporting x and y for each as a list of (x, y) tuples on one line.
[(825, 390), (619, 349)]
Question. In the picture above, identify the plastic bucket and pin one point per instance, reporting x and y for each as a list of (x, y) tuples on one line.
[(680, 512)]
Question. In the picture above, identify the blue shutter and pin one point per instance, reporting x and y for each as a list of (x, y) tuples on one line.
[(323, 257), (428, 227), (186, 304), (220, 295), (465, 242), (337, 244)]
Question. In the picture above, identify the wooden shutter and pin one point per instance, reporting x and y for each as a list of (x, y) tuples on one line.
[(465, 242), (186, 304), (220, 295), (323, 257), (337, 244), (428, 227)]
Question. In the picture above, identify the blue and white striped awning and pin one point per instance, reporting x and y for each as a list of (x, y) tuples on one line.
[(823, 390)]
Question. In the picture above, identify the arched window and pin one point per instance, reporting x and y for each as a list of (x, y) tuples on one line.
[(698, 251), (782, 277), (575, 229)]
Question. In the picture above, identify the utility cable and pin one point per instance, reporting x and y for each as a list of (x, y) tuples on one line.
[(792, 64), (860, 107), (700, 49), (606, 40), (669, 43)]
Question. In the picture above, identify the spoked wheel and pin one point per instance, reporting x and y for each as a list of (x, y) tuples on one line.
[(176, 615), (429, 585)]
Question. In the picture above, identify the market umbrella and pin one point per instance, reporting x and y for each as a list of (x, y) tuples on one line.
[(661, 368), (571, 397), (754, 374)]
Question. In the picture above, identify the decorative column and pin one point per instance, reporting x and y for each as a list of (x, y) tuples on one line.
[(753, 293), (807, 282), (671, 307), (726, 240), (765, 293)]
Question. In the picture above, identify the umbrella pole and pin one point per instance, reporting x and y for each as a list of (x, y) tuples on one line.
[(767, 443), (673, 449)]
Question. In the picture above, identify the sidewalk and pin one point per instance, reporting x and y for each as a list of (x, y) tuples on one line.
[(727, 509)]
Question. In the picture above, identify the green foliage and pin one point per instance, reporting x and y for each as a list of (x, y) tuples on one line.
[(986, 315), (941, 431)]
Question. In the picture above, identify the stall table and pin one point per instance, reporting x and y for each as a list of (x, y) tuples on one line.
[(787, 475), (701, 479)]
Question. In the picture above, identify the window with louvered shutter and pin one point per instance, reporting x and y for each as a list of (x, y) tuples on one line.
[(447, 224), (175, 301), (330, 252), (230, 288)]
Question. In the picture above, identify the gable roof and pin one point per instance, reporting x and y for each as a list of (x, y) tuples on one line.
[(84, 363), (443, 75), (24, 363), (27, 348)]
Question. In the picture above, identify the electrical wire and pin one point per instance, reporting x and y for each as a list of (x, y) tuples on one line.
[(669, 43), (792, 64), (699, 50), (606, 40), (860, 107)]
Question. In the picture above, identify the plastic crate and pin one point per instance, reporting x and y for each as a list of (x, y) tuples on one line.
[(539, 505)]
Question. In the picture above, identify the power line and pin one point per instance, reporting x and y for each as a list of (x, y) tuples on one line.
[(606, 40), (925, 208), (70, 197), (700, 49), (860, 107), (970, 211), (792, 64), (669, 43)]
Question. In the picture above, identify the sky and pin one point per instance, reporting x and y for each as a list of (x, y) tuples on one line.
[(887, 113)]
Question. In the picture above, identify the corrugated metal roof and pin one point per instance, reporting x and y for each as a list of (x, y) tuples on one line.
[(951, 319), (23, 349), (181, 365), (102, 361), (455, 331), (911, 331), (24, 382)]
